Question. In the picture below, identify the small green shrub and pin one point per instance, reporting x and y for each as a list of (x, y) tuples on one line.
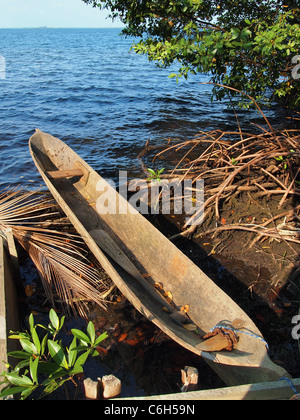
[(155, 175), (45, 363)]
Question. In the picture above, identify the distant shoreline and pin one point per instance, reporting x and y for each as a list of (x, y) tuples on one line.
[(71, 27)]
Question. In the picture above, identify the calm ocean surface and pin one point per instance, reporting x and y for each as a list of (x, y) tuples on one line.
[(86, 87)]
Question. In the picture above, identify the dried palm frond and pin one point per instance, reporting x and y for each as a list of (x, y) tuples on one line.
[(25, 207), (58, 256)]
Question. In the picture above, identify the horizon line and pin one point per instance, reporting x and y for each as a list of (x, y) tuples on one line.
[(64, 27)]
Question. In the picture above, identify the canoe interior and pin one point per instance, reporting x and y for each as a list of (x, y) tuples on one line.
[(156, 258)]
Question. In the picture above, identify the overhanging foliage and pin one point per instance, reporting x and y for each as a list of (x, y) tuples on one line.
[(248, 45)]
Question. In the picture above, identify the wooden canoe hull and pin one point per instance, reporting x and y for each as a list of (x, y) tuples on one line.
[(157, 259)]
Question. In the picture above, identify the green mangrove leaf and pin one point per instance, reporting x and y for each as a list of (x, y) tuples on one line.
[(57, 353)]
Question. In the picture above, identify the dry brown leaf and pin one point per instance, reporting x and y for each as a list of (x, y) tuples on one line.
[(169, 297), (29, 290), (190, 327), (165, 309)]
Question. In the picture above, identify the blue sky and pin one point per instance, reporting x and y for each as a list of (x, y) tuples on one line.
[(52, 13)]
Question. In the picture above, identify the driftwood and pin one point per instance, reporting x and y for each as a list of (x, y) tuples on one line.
[(111, 386), (223, 337), (91, 389), (219, 340), (107, 387), (189, 378)]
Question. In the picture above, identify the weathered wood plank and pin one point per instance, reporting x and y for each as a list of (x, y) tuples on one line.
[(277, 390), (65, 174), (9, 319)]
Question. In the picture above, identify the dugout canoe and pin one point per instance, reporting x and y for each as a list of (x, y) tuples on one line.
[(136, 256)]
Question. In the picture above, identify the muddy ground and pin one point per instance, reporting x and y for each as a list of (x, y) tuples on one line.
[(262, 276)]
